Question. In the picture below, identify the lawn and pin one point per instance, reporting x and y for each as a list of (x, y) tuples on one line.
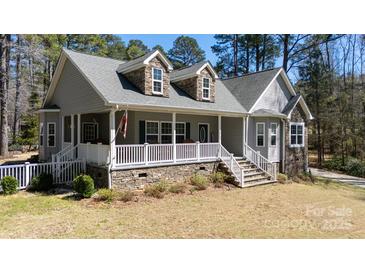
[(321, 210)]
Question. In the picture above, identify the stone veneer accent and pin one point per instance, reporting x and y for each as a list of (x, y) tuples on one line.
[(138, 178), (142, 78), (99, 174), (194, 86), (296, 158)]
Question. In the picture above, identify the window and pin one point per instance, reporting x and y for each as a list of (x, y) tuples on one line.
[(273, 133), (260, 134), (296, 134), (51, 133), (41, 134), (90, 133), (152, 129), (206, 88), (180, 132), (157, 76), (166, 133)]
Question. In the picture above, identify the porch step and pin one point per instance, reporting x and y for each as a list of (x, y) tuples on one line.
[(258, 183)]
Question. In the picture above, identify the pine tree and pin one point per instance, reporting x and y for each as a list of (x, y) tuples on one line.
[(185, 52)]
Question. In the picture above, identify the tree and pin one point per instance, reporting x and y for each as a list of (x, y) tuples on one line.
[(135, 49), (185, 52), (160, 48)]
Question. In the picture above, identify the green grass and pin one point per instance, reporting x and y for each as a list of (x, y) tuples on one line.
[(211, 213)]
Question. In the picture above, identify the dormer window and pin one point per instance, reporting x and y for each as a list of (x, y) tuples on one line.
[(157, 85), (206, 88)]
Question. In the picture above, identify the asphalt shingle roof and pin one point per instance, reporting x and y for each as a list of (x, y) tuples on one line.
[(115, 88), (291, 104), (187, 71), (248, 88)]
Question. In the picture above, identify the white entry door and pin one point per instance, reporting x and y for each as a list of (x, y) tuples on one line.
[(274, 142)]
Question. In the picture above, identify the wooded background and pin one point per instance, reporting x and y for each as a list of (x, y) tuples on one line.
[(326, 69)]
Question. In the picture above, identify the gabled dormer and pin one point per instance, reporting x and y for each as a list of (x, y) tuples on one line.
[(150, 73), (197, 80)]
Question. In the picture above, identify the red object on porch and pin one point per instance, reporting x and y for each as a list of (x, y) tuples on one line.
[(123, 124)]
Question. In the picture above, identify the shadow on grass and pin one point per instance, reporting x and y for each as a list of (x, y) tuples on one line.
[(73, 197)]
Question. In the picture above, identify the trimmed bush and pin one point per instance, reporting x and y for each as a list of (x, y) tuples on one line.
[(199, 182), (84, 185), (43, 182), (9, 184), (355, 167), (126, 196), (106, 195), (156, 190), (282, 178), (177, 188), (217, 179)]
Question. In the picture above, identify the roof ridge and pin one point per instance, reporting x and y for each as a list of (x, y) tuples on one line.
[(251, 73), (92, 55), (203, 61)]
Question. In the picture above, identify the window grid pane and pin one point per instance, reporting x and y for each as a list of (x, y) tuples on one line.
[(157, 74), (206, 83)]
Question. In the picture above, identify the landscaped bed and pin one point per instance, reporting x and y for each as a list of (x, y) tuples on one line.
[(283, 210)]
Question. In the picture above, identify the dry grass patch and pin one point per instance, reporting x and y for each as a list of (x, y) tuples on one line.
[(269, 211)]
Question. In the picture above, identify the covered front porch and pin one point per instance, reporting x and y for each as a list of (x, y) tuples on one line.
[(152, 138)]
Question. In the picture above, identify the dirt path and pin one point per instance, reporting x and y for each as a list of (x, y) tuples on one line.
[(339, 177)]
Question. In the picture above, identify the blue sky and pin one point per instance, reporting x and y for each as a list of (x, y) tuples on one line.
[(205, 41)]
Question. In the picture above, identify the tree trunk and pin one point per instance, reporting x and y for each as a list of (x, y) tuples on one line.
[(235, 55), (257, 53), (263, 54), (17, 91), (5, 50), (285, 51)]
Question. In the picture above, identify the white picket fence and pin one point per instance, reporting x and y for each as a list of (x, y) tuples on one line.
[(63, 172)]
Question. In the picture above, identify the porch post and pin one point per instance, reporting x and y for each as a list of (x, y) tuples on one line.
[(72, 130), (219, 134), (78, 128), (112, 137), (174, 135), (62, 131), (243, 136)]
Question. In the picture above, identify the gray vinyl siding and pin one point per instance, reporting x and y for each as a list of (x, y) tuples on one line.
[(232, 136), (45, 152), (135, 116), (252, 136), (74, 94), (276, 97)]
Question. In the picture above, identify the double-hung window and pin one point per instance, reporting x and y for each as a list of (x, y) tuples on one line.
[(51, 134), (273, 133), (296, 134), (90, 132), (41, 134), (157, 82), (180, 132), (166, 132), (260, 134), (206, 88), (152, 129)]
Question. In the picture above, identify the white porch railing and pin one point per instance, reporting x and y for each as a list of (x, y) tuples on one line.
[(233, 165), (94, 153), (63, 172), (260, 161), (154, 154)]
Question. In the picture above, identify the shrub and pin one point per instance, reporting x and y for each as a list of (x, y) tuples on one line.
[(84, 185), (106, 195), (177, 188), (334, 164), (126, 196), (355, 167), (199, 182), (156, 190), (9, 184), (282, 178), (42, 182), (217, 179)]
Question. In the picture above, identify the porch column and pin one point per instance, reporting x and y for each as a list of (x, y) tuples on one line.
[(220, 129), (243, 136), (112, 137), (78, 128), (174, 135), (62, 130), (72, 130)]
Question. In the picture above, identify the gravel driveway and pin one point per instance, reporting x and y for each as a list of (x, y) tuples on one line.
[(339, 177)]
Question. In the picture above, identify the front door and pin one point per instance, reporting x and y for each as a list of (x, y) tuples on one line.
[(203, 133), (274, 142)]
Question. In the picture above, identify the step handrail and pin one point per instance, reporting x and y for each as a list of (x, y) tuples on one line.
[(260, 161), (233, 166)]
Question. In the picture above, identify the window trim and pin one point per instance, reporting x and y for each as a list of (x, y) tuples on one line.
[(160, 134), (154, 80), (303, 134), (83, 130), (205, 98), (54, 134), (271, 134), (41, 134), (263, 134)]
